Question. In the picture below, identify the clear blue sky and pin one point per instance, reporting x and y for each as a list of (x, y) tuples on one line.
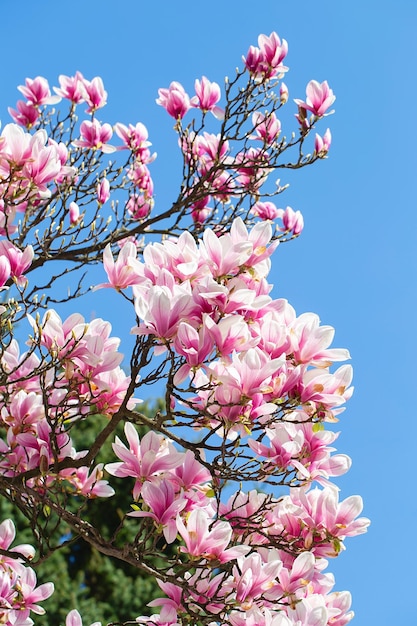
[(355, 264)]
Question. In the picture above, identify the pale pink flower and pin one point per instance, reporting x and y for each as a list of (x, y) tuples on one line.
[(5, 271), (253, 578), (319, 98), (207, 96), (74, 619), (139, 206), (124, 272), (174, 100), (208, 540), (90, 485), (283, 93), (135, 138), (7, 536)]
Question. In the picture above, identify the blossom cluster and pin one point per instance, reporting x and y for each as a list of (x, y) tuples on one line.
[(19, 593), (76, 374), (253, 382), (262, 375)]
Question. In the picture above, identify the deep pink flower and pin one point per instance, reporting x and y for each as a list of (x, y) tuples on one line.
[(95, 136), (174, 100), (26, 115), (37, 92)]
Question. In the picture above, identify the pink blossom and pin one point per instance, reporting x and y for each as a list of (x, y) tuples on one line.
[(94, 94), (74, 213), (265, 210), (322, 144), (207, 96), (103, 191), (164, 505), (37, 91), (283, 93), (26, 115), (19, 261), (266, 61), (204, 539), (174, 100), (319, 98), (74, 619), (95, 136), (5, 270), (71, 87), (293, 221), (267, 127), (124, 272), (144, 459), (139, 207)]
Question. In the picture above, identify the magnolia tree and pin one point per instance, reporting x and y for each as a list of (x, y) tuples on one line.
[(232, 504)]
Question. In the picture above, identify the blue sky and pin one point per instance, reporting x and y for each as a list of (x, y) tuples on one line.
[(355, 264)]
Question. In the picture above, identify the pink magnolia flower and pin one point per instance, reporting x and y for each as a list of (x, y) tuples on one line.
[(5, 271), (292, 221), (95, 136), (139, 206), (94, 94), (265, 210), (103, 191), (37, 91), (283, 93), (26, 114), (174, 100), (144, 459), (207, 540), (19, 261), (207, 96), (71, 88), (267, 127), (266, 61), (322, 144), (74, 213), (7, 536), (319, 98), (124, 272), (135, 138), (74, 619), (164, 505)]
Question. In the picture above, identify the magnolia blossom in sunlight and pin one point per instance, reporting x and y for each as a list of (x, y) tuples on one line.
[(319, 98), (231, 504)]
